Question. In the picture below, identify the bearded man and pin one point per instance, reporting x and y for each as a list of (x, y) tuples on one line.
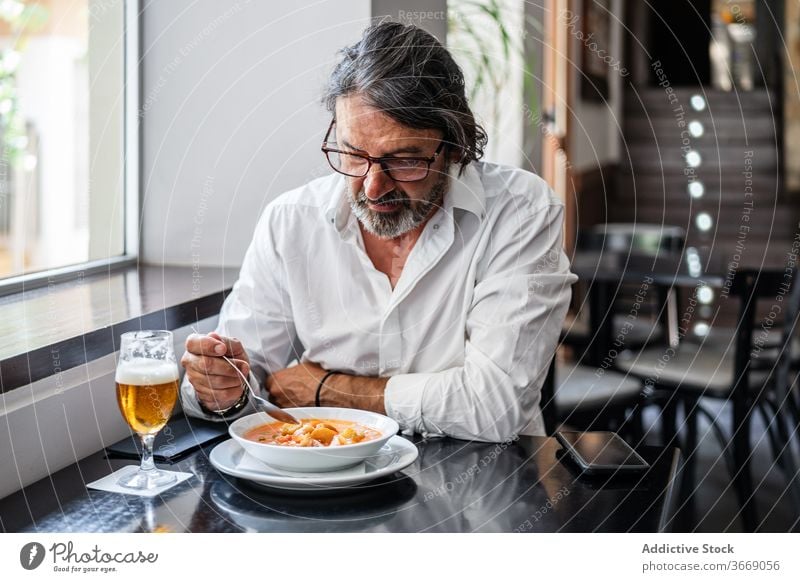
[(414, 281)]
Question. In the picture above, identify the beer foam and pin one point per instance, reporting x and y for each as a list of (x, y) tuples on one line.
[(143, 371)]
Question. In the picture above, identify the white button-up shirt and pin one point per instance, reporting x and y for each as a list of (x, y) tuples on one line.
[(466, 335)]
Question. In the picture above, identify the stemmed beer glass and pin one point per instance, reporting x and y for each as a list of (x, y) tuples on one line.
[(147, 388)]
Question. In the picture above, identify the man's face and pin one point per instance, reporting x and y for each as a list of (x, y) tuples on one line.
[(386, 208)]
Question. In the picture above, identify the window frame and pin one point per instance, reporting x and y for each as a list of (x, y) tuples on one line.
[(131, 154)]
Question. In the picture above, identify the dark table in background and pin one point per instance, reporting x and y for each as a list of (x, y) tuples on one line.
[(605, 272), (454, 486)]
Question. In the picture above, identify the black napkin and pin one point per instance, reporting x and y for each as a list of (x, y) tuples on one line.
[(181, 436)]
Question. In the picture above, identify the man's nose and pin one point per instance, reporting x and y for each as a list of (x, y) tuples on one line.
[(377, 183)]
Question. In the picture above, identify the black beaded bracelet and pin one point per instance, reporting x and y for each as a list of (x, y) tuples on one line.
[(321, 384)]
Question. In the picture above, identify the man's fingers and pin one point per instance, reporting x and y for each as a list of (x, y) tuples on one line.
[(243, 366), (217, 384), (213, 365), (216, 399), (202, 345), (234, 348), (206, 365), (215, 392), (206, 385)]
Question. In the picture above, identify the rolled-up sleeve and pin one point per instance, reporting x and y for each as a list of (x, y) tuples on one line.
[(518, 305), (257, 312)]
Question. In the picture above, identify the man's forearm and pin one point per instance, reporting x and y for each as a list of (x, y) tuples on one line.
[(297, 386), (364, 392)]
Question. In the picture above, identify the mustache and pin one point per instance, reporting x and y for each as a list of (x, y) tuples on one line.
[(393, 197)]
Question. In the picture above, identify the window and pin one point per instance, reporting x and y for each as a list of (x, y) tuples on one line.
[(63, 98), (487, 40)]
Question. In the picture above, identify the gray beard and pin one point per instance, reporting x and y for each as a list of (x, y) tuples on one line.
[(408, 216)]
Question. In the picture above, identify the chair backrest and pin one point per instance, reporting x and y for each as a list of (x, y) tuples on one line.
[(781, 287)]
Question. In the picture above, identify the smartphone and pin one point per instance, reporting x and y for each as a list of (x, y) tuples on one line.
[(601, 452)]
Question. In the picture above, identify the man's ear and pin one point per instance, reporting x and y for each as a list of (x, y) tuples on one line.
[(453, 155), (448, 155)]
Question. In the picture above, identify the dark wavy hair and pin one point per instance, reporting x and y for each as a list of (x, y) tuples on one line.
[(406, 73)]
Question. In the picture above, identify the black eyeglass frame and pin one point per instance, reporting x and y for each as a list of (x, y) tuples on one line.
[(379, 160)]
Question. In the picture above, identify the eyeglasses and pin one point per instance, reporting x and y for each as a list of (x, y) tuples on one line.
[(408, 169)]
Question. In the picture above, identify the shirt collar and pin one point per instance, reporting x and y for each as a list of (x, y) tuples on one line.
[(338, 208), (465, 192)]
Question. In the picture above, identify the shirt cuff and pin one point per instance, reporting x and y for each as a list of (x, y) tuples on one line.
[(403, 399), (191, 406)]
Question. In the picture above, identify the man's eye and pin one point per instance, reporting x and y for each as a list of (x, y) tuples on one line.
[(404, 163)]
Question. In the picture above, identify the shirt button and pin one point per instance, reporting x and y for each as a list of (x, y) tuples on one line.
[(435, 227)]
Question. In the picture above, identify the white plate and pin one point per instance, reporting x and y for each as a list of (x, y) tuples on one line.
[(230, 458)]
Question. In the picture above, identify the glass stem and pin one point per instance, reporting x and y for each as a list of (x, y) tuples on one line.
[(147, 453)]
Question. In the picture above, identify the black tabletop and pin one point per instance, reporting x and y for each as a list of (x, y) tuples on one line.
[(454, 486), (670, 269)]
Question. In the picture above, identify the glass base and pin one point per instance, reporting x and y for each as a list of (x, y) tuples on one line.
[(151, 479)]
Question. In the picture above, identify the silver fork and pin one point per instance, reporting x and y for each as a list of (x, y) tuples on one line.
[(267, 406)]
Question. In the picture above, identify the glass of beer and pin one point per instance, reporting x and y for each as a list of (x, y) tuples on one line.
[(147, 389)]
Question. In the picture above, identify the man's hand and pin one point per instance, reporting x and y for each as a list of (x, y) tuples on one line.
[(216, 383), (297, 386)]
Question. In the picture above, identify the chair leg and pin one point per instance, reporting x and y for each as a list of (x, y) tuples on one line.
[(771, 422), (794, 413), (742, 478), (687, 513), (632, 424), (780, 442), (669, 433), (791, 470), (722, 439)]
